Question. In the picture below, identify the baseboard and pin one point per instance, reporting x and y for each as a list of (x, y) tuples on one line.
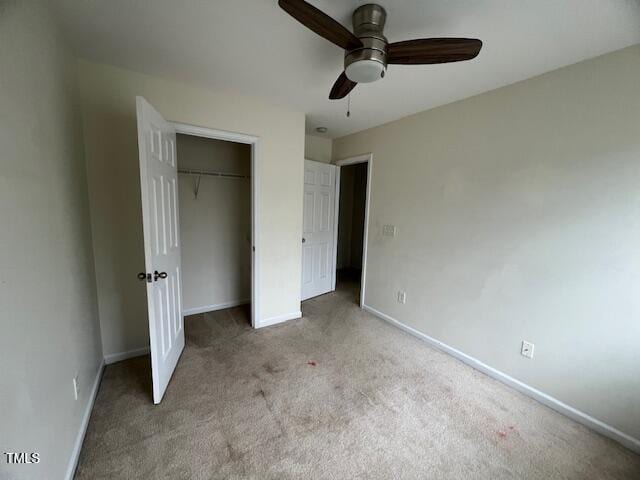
[(77, 446), (214, 307), (118, 357), (607, 430), (279, 319)]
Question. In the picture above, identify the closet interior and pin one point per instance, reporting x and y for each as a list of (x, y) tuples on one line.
[(215, 223)]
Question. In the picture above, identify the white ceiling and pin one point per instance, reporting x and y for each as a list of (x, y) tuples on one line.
[(254, 47)]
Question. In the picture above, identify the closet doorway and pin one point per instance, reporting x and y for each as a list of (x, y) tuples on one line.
[(217, 182)]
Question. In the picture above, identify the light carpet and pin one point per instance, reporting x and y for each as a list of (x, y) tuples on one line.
[(337, 394)]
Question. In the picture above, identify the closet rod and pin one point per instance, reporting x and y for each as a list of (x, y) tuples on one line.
[(199, 173)]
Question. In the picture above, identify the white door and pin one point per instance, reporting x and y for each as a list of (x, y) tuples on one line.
[(317, 228), (159, 185)]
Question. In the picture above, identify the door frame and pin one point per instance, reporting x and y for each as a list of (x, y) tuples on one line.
[(256, 163), (368, 159)]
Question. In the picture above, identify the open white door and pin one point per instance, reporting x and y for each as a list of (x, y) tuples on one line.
[(317, 228), (159, 185)]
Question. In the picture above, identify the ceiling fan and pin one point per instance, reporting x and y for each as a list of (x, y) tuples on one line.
[(367, 52)]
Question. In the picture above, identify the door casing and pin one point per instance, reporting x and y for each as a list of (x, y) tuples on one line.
[(256, 164), (368, 159)]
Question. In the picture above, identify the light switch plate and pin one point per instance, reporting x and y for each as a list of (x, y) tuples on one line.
[(389, 230), (402, 297)]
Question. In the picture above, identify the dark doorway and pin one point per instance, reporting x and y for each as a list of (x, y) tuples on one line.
[(351, 219)]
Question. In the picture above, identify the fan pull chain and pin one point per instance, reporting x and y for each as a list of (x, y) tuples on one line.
[(349, 105)]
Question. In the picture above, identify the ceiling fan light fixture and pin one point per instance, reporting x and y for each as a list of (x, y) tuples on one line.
[(364, 71), (367, 51)]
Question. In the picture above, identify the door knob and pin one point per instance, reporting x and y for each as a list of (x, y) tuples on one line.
[(157, 275), (304, 240), (144, 276)]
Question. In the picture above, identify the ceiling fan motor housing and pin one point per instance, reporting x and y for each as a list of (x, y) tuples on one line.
[(368, 63)]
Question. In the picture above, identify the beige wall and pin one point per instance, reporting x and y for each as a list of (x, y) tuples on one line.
[(215, 227), (112, 155), (48, 314), (517, 214), (317, 148)]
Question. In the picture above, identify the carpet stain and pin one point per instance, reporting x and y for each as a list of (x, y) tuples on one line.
[(269, 368), (234, 455)]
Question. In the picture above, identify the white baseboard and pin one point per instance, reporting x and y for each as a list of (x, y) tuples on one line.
[(77, 446), (214, 307), (266, 322), (118, 357), (607, 430)]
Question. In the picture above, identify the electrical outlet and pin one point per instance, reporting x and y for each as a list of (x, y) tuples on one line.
[(76, 387), (389, 230), (402, 297), (527, 349)]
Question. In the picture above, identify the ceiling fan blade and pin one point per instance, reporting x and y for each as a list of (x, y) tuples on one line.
[(341, 87), (433, 50), (321, 23)]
